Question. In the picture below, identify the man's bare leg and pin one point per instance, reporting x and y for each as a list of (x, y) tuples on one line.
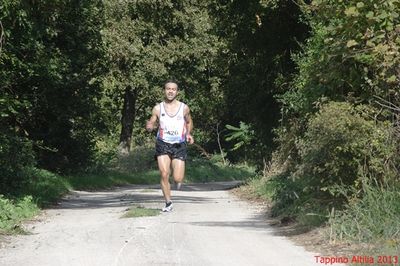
[(164, 165), (178, 171)]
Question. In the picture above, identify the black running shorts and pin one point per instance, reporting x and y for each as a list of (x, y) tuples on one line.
[(175, 151)]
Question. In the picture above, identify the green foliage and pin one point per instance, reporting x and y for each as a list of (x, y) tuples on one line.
[(47, 91), (352, 54), (139, 160), (12, 213), (290, 198), (258, 65), (348, 57), (286, 198), (65, 96), (201, 171), (16, 155), (332, 138), (44, 186), (148, 42), (370, 38), (242, 135), (262, 188), (65, 66), (140, 167), (109, 179), (341, 143), (106, 154), (219, 159), (371, 218)]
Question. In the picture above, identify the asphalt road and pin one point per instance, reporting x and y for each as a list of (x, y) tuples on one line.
[(209, 226)]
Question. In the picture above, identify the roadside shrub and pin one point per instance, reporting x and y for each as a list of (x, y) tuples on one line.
[(141, 158), (13, 212), (106, 154), (44, 186), (16, 156), (342, 143), (341, 147), (297, 198)]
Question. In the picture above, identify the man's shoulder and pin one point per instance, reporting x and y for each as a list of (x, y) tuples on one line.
[(181, 103), (186, 110), (185, 105), (156, 107)]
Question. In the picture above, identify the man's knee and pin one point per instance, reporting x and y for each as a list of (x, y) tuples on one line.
[(164, 175)]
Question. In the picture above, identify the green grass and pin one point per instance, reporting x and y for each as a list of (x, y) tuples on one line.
[(197, 171), (372, 219), (200, 170), (13, 212), (139, 211), (261, 188), (45, 187), (110, 179), (42, 189)]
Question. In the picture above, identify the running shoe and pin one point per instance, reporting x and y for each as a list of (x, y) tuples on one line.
[(168, 207)]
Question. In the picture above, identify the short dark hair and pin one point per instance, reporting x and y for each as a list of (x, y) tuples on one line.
[(171, 81)]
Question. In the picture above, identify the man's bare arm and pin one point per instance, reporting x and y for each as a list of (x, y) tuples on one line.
[(189, 125), (151, 123)]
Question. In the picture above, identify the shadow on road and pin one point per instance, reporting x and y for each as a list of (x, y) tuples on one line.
[(259, 222), (255, 223), (137, 194)]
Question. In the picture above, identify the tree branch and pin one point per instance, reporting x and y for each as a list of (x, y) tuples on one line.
[(1, 36), (387, 104), (219, 144), (203, 151)]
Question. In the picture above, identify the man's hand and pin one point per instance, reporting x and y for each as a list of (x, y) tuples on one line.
[(189, 139), (149, 126)]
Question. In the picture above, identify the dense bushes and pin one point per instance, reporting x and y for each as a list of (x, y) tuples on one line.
[(48, 92), (16, 156), (332, 138), (13, 213), (352, 54), (342, 147)]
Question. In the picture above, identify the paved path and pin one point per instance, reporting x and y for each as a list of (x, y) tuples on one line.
[(209, 226)]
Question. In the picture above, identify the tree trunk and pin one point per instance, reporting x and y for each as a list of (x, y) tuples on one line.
[(128, 117)]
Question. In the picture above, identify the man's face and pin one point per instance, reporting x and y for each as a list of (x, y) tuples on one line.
[(171, 91)]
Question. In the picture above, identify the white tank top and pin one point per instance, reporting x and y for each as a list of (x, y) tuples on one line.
[(172, 129)]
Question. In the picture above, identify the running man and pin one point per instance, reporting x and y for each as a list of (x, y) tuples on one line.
[(175, 126)]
